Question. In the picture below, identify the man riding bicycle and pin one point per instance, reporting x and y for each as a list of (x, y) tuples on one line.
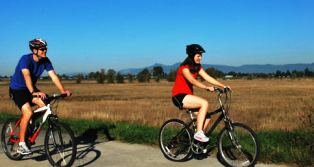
[(23, 91)]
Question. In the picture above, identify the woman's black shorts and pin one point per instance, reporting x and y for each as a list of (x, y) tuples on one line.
[(21, 97), (177, 100)]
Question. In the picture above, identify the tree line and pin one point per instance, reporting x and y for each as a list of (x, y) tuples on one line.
[(158, 73)]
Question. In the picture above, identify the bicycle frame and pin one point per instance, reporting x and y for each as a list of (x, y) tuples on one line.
[(46, 116), (223, 116)]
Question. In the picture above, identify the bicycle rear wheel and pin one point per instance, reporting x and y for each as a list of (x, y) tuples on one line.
[(60, 145), (9, 147), (175, 140), (239, 147)]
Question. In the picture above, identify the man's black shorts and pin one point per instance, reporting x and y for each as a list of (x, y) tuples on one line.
[(177, 100), (21, 97)]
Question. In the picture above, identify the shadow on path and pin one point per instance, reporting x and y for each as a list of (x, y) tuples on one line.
[(86, 145)]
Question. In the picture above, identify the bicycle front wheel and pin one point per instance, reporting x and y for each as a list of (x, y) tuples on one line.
[(60, 145), (175, 140), (8, 146), (239, 147)]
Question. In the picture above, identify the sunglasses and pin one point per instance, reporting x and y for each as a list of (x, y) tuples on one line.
[(42, 49)]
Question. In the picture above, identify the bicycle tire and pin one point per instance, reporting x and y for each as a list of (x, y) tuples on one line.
[(60, 145), (174, 146), (248, 149), (9, 147)]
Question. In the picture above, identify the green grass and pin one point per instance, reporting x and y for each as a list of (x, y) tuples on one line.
[(287, 147), (276, 146)]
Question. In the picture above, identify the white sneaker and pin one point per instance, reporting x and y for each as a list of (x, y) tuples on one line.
[(23, 149), (201, 137)]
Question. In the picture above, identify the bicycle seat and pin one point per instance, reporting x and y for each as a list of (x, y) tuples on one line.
[(191, 109)]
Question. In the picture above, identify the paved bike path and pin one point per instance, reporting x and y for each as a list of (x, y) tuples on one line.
[(96, 153)]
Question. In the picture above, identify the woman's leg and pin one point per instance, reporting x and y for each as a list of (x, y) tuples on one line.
[(206, 123), (191, 101)]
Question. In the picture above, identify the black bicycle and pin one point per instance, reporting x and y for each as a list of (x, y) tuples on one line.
[(60, 145), (238, 145)]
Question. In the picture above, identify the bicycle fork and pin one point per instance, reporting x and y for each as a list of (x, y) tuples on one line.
[(60, 147), (232, 134)]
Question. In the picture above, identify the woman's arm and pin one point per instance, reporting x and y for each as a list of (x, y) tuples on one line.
[(55, 79), (210, 79), (188, 76)]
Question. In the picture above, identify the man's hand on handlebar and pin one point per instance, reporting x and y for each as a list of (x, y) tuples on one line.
[(39, 95)]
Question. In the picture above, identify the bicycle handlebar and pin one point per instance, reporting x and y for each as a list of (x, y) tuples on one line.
[(54, 97), (225, 90)]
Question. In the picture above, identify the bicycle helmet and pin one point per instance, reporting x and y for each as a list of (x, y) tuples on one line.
[(37, 43), (194, 49)]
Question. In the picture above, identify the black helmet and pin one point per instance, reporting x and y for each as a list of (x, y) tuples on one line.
[(194, 49), (37, 43)]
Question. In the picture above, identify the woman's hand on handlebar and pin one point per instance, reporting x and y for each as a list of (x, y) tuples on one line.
[(67, 92), (210, 88), (228, 88)]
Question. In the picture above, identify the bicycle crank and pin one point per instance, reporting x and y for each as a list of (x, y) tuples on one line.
[(198, 147)]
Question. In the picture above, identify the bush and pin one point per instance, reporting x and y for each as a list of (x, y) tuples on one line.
[(100, 78), (79, 78), (130, 78), (120, 78), (110, 76), (144, 76)]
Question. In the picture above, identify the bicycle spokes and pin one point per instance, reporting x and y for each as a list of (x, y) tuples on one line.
[(175, 140), (10, 138), (60, 145), (239, 147)]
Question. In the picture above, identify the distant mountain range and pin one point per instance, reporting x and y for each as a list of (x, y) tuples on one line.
[(253, 68)]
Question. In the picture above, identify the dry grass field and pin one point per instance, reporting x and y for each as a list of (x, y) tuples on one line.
[(262, 104)]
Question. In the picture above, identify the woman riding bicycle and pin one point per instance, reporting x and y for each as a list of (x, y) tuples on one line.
[(182, 92), (22, 86)]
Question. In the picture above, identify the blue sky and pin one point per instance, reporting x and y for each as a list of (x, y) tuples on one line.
[(87, 35)]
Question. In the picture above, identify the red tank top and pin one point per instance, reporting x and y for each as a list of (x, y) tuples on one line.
[(181, 85)]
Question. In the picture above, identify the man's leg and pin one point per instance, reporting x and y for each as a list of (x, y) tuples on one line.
[(40, 104), (27, 113)]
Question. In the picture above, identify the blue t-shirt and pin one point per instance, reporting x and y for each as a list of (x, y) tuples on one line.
[(35, 69)]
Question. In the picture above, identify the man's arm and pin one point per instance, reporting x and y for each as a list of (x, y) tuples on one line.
[(29, 84), (55, 79), (28, 80)]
